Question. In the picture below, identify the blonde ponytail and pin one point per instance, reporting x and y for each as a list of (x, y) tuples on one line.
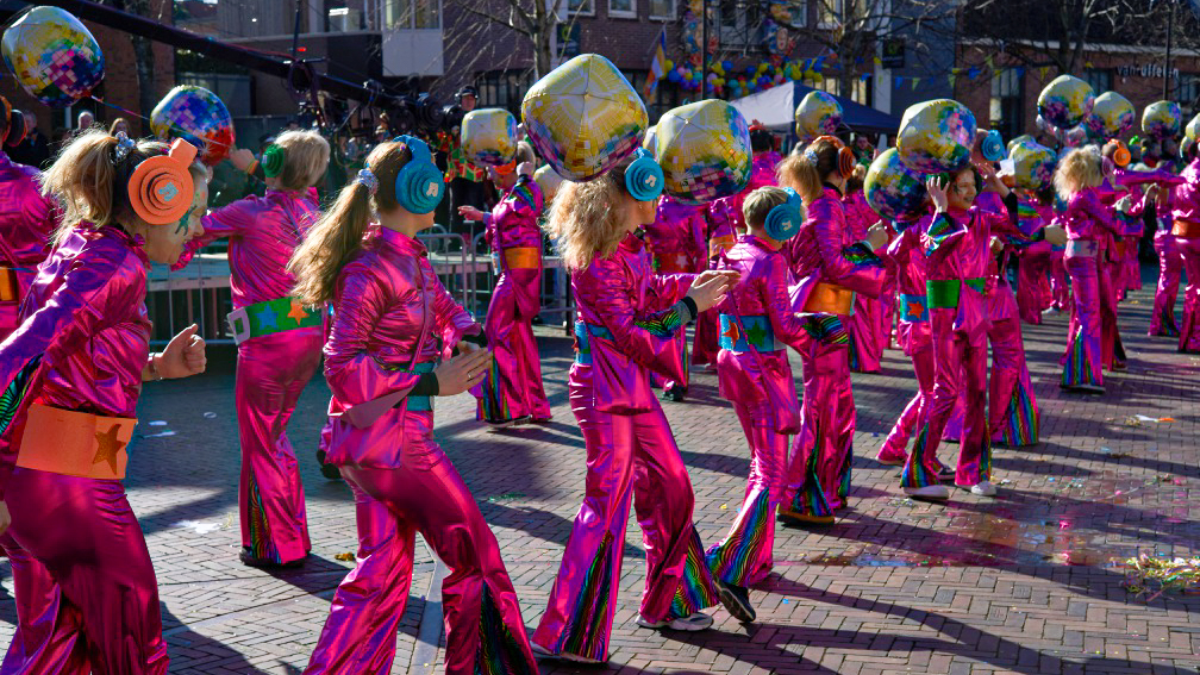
[(806, 171)]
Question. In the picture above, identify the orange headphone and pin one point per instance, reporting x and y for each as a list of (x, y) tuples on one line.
[(16, 123), (1121, 155), (161, 187), (846, 160)]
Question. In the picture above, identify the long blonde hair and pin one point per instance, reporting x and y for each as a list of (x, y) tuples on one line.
[(307, 159), (587, 219), (1078, 169), (90, 184), (338, 235), (800, 172)]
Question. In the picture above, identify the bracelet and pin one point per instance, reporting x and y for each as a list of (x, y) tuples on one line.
[(154, 367)]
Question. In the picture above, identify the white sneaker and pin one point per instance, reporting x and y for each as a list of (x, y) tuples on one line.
[(697, 621), (937, 492), (984, 489)]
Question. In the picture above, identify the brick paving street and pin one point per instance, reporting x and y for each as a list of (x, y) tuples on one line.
[(1023, 583)]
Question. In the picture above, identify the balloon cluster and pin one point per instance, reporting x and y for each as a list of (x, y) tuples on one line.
[(724, 79)]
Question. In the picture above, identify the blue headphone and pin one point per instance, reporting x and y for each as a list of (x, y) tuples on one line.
[(419, 184), (644, 178), (783, 221), (992, 148)]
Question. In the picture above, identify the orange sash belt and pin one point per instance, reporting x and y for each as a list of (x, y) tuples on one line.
[(74, 443), (1185, 229), (8, 285), (722, 243), (523, 258), (830, 298)]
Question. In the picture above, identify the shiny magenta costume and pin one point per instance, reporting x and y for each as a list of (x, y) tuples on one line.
[(393, 320), (631, 453), (1034, 292), (272, 369), (956, 245), (1089, 223), (757, 325), (1170, 264), (677, 245), (87, 598), (512, 388), (27, 219), (821, 256), (1186, 232), (867, 340)]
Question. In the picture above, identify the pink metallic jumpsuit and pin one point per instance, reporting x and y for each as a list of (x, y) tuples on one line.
[(27, 219), (676, 242), (757, 325), (1087, 221), (512, 388), (1186, 232), (958, 257), (272, 368), (631, 453), (867, 340), (825, 260), (1170, 264), (87, 598), (393, 322), (1034, 294)]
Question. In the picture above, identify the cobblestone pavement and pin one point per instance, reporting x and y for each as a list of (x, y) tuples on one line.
[(1023, 583)]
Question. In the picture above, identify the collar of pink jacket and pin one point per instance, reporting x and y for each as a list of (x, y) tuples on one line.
[(400, 242)]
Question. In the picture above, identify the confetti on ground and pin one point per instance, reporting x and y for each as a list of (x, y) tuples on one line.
[(160, 434), (344, 557), (507, 496), (1158, 575), (197, 526)]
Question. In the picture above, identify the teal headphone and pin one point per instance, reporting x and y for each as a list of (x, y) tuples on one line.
[(644, 178), (783, 221), (419, 184)]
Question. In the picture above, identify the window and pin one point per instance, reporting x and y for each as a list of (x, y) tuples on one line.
[(622, 8), (829, 13), (794, 12), (1187, 92), (738, 21), (503, 89), (1101, 80), (587, 7), (412, 14), (1007, 103), (662, 9)]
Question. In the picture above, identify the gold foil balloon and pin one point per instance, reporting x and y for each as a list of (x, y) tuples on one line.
[(651, 139), (1066, 101), (584, 117), (1193, 128), (936, 136), (1033, 165), (1112, 115), (1161, 119), (489, 137), (704, 150), (819, 114), (53, 56)]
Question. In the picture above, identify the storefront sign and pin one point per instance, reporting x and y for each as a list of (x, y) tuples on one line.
[(1155, 70)]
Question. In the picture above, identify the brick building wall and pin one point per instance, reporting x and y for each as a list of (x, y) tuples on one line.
[(1134, 72), (120, 78)]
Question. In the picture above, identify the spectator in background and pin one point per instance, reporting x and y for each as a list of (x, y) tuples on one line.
[(465, 180), (118, 125), (864, 149), (85, 120), (35, 149)]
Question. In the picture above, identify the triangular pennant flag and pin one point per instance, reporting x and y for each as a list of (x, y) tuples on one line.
[(1042, 72), (916, 81), (988, 60)]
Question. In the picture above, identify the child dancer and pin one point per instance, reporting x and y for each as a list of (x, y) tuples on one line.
[(512, 390), (676, 244), (1087, 222), (26, 220), (87, 599), (1185, 230), (279, 342), (1034, 292), (864, 327), (630, 449), (829, 267), (757, 324), (1170, 263), (957, 247), (393, 322)]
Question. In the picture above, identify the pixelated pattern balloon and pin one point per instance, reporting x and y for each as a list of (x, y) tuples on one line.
[(819, 114), (1192, 130), (1033, 165), (704, 150), (549, 181), (936, 136), (1161, 119), (584, 117), (1019, 139), (1066, 101), (198, 116), (53, 56), (650, 140), (489, 137), (895, 191), (1112, 116)]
